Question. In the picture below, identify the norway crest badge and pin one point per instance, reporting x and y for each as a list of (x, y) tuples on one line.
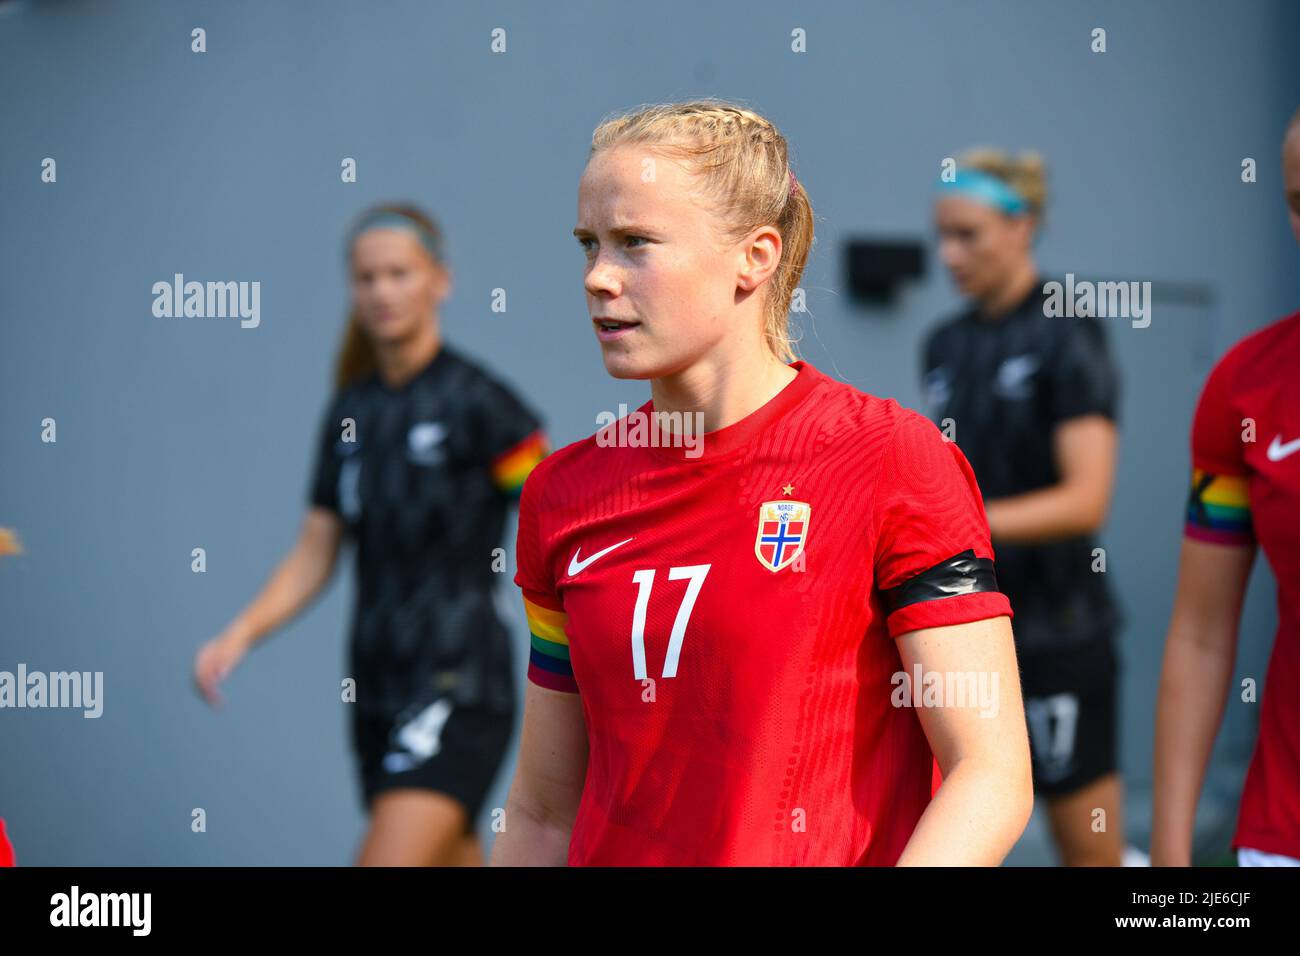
[(782, 532)]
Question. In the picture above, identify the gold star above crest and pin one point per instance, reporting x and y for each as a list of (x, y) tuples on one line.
[(788, 490)]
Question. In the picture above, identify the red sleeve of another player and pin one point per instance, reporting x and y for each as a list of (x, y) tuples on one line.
[(933, 557), (6, 851), (548, 639), (1218, 504), (1217, 427)]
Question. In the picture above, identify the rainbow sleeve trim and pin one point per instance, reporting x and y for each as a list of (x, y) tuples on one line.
[(511, 467), (548, 659), (1218, 509)]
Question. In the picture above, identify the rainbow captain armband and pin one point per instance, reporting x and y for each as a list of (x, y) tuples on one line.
[(1218, 509), (548, 657), (512, 466)]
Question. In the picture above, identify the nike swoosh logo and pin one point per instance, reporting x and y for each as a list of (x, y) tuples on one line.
[(576, 566), (1277, 451)]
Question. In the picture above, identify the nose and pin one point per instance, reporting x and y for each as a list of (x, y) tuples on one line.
[(950, 252), (601, 278)]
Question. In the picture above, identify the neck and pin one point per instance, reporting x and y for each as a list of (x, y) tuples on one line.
[(724, 390), (399, 362), (1011, 293)]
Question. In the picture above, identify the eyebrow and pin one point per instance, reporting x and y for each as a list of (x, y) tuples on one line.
[(631, 229)]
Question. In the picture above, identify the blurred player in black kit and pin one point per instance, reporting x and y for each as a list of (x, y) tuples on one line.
[(420, 455), (1032, 401)]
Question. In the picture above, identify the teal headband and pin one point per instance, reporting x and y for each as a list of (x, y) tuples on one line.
[(988, 189), (387, 219)]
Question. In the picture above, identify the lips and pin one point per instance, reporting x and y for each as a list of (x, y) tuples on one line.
[(608, 329)]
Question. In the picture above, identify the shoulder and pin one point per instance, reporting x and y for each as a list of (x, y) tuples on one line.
[(471, 385), (1275, 345), (559, 476), (947, 330), (1058, 330), (466, 372), (350, 396), (898, 454), (1252, 368), (869, 422)]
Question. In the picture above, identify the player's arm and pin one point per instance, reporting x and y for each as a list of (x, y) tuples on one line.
[(1085, 448), (547, 786), (512, 438), (552, 765), (1201, 643), (298, 578), (982, 747), (1200, 652), (936, 581)]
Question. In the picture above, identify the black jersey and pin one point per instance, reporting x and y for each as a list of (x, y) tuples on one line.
[(1006, 384), (423, 476)]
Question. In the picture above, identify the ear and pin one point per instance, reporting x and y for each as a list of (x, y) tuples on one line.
[(443, 282), (761, 254), (1026, 227)]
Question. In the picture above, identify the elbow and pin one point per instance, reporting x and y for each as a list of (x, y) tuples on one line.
[(1091, 512), (1022, 797), (1025, 808)]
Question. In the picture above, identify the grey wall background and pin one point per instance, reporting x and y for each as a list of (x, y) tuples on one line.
[(183, 433)]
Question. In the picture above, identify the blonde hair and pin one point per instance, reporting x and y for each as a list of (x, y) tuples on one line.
[(744, 167), (1026, 173), (356, 356)]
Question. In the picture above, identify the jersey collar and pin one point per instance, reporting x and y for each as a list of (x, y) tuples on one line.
[(723, 441)]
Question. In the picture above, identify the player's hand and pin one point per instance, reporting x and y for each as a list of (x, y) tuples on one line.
[(215, 659)]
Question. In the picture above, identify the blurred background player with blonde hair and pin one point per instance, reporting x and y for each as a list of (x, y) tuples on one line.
[(1032, 401)]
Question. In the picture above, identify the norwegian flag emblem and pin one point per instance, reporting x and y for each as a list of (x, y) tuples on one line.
[(782, 532)]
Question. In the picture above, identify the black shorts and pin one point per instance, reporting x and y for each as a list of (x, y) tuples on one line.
[(437, 745), (1070, 707)]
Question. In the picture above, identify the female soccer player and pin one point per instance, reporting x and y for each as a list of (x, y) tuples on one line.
[(420, 454), (1031, 400), (745, 649), (1245, 492)]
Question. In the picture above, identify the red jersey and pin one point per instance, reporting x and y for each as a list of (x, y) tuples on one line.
[(6, 851), (728, 621), (1246, 489)]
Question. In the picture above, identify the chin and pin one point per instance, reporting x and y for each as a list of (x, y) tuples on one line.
[(389, 333), (636, 364), (623, 366)]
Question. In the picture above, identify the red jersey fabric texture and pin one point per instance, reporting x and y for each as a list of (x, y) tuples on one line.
[(1257, 383), (737, 714)]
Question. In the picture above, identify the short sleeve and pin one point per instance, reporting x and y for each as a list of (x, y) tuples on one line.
[(1218, 502), (933, 555), (324, 486), (1083, 378), (1217, 426), (548, 655), (512, 438)]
